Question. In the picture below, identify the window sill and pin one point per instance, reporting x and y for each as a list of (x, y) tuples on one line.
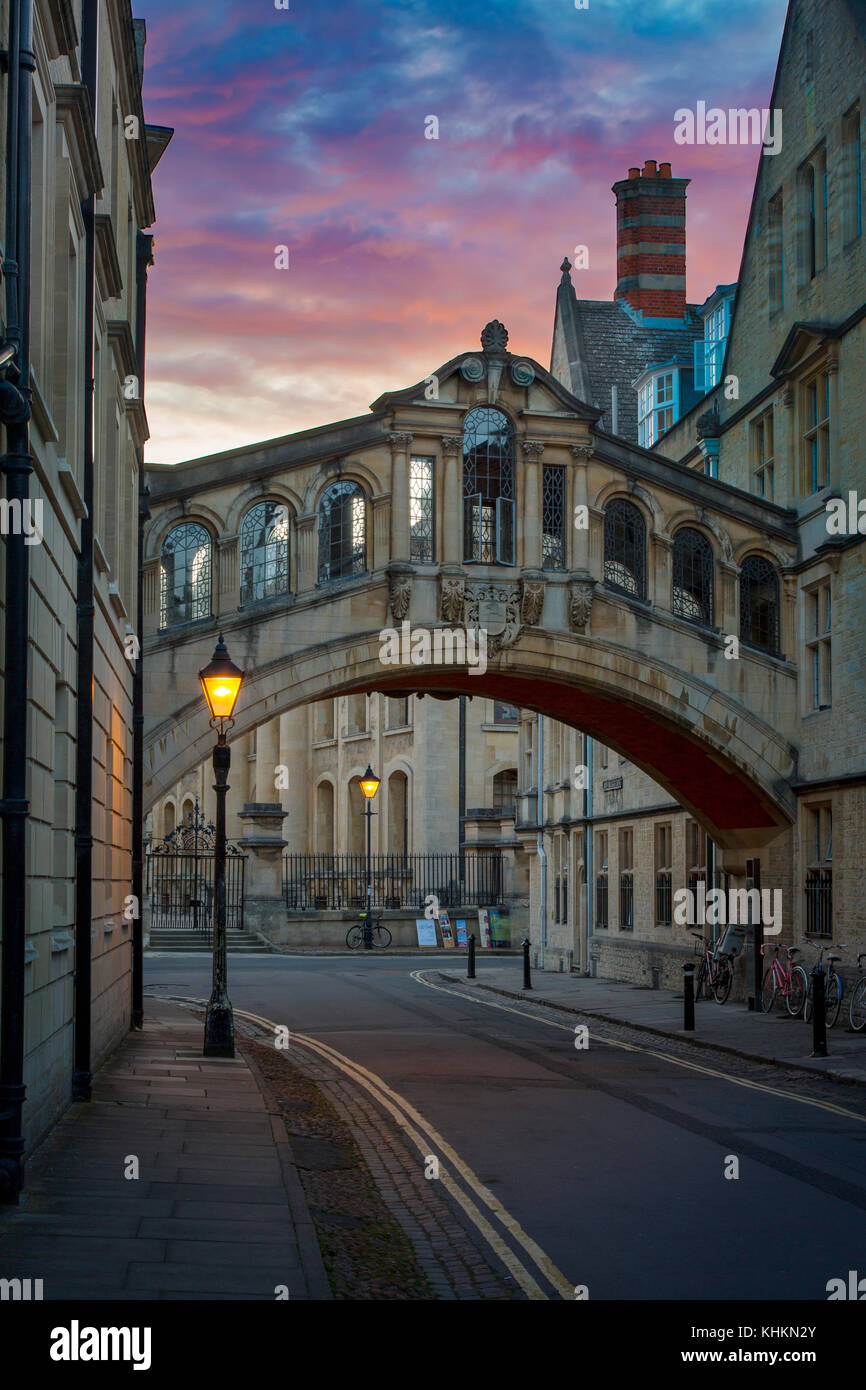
[(356, 737), (403, 729), (324, 743)]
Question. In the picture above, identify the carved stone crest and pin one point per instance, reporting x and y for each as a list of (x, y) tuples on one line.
[(496, 609), (580, 603), (399, 593), (531, 600), (451, 596)]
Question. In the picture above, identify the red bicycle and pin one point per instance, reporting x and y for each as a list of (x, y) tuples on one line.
[(791, 984), (714, 971)]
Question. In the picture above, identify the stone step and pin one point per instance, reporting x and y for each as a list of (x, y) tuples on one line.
[(237, 942)]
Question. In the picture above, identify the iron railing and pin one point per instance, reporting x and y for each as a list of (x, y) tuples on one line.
[(664, 902), (323, 882), (819, 902), (626, 902), (180, 887), (601, 901)]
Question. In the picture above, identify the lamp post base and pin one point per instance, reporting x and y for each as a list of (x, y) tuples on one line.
[(219, 1030)]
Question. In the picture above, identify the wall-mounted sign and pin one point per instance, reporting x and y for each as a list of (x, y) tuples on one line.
[(612, 784)]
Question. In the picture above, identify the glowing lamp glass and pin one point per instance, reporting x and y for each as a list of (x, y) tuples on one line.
[(221, 682), (369, 783)]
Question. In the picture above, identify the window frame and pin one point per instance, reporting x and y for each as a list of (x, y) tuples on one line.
[(359, 561)]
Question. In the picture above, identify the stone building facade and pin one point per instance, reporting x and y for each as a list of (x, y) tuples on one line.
[(92, 157)]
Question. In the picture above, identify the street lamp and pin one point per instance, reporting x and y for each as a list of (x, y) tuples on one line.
[(369, 786), (221, 682)]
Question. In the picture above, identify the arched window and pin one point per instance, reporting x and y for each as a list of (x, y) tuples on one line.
[(693, 576), (342, 532), (759, 604), (357, 827), (188, 812), (168, 818), (398, 813), (488, 487), (325, 818), (625, 548), (505, 791), (264, 552), (185, 574)]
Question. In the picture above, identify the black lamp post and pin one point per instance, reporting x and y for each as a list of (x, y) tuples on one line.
[(221, 683), (369, 786)]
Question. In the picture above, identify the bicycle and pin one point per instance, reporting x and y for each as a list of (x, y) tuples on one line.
[(791, 983), (857, 1007), (714, 970), (379, 936), (833, 987)]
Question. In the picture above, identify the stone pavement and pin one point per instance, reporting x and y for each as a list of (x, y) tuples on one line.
[(217, 1210), (730, 1027)]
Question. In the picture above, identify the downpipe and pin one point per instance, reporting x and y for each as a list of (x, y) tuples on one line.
[(542, 853)]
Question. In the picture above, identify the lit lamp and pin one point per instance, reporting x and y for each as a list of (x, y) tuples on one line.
[(221, 682), (369, 786)]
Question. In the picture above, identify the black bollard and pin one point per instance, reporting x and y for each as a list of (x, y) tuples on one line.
[(527, 983), (819, 1013), (470, 959), (689, 997)]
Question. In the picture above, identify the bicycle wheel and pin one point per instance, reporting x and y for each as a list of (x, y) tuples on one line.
[(700, 980), (768, 991), (857, 1007), (354, 937), (723, 981), (797, 991), (834, 998), (381, 937)]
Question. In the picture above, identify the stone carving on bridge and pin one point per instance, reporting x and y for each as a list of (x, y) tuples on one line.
[(531, 600), (496, 609), (451, 597), (580, 603), (399, 592)]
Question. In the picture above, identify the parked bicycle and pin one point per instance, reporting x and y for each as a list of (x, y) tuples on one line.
[(714, 971), (790, 983), (857, 1007), (833, 986), (367, 929)]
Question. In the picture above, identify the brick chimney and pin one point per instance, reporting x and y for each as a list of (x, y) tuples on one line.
[(651, 241)]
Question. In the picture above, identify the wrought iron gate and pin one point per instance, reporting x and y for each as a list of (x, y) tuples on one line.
[(180, 874)]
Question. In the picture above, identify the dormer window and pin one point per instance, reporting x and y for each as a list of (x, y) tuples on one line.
[(658, 405), (710, 350)]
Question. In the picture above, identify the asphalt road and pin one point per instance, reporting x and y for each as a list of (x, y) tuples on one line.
[(612, 1160)]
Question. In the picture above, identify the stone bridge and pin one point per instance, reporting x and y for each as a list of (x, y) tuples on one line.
[(616, 591)]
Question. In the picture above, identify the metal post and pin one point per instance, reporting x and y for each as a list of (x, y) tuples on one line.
[(819, 1013), (689, 997), (219, 1028), (527, 982), (368, 932), (470, 959)]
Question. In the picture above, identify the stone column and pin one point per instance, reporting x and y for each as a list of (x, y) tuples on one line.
[(295, 754), (789, 400), (263, 844), (834, 471), (151, 596), (267, 759), (659, 581), (229, 585), (580, 498), (307, 557), (401, 443), (532, 452), (452, 521), (727, 615)]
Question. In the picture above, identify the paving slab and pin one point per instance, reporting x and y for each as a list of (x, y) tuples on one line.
[(214, 1188)]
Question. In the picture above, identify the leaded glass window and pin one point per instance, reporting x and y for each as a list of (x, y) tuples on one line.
[(264, 552), (693, 576), (342, 532), (552, 517), (488, 487), (625, 548), (759, 604), (185, 574), (421, 510)]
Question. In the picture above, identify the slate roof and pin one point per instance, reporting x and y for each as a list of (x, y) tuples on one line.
[(605, 347)]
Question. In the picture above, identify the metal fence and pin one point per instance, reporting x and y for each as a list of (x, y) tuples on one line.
[(179, 874), (601, 901), (321, 882), (626, 902), (819, 903), (664, 907)]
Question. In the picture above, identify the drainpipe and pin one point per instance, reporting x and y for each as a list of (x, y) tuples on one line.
[(589, 848), (542, 853), (461, 793), (81, 1068), (17, 467), (143, 259)]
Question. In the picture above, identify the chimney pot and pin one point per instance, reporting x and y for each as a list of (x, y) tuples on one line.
[(649, 169), (634, 173), (664, 171)]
